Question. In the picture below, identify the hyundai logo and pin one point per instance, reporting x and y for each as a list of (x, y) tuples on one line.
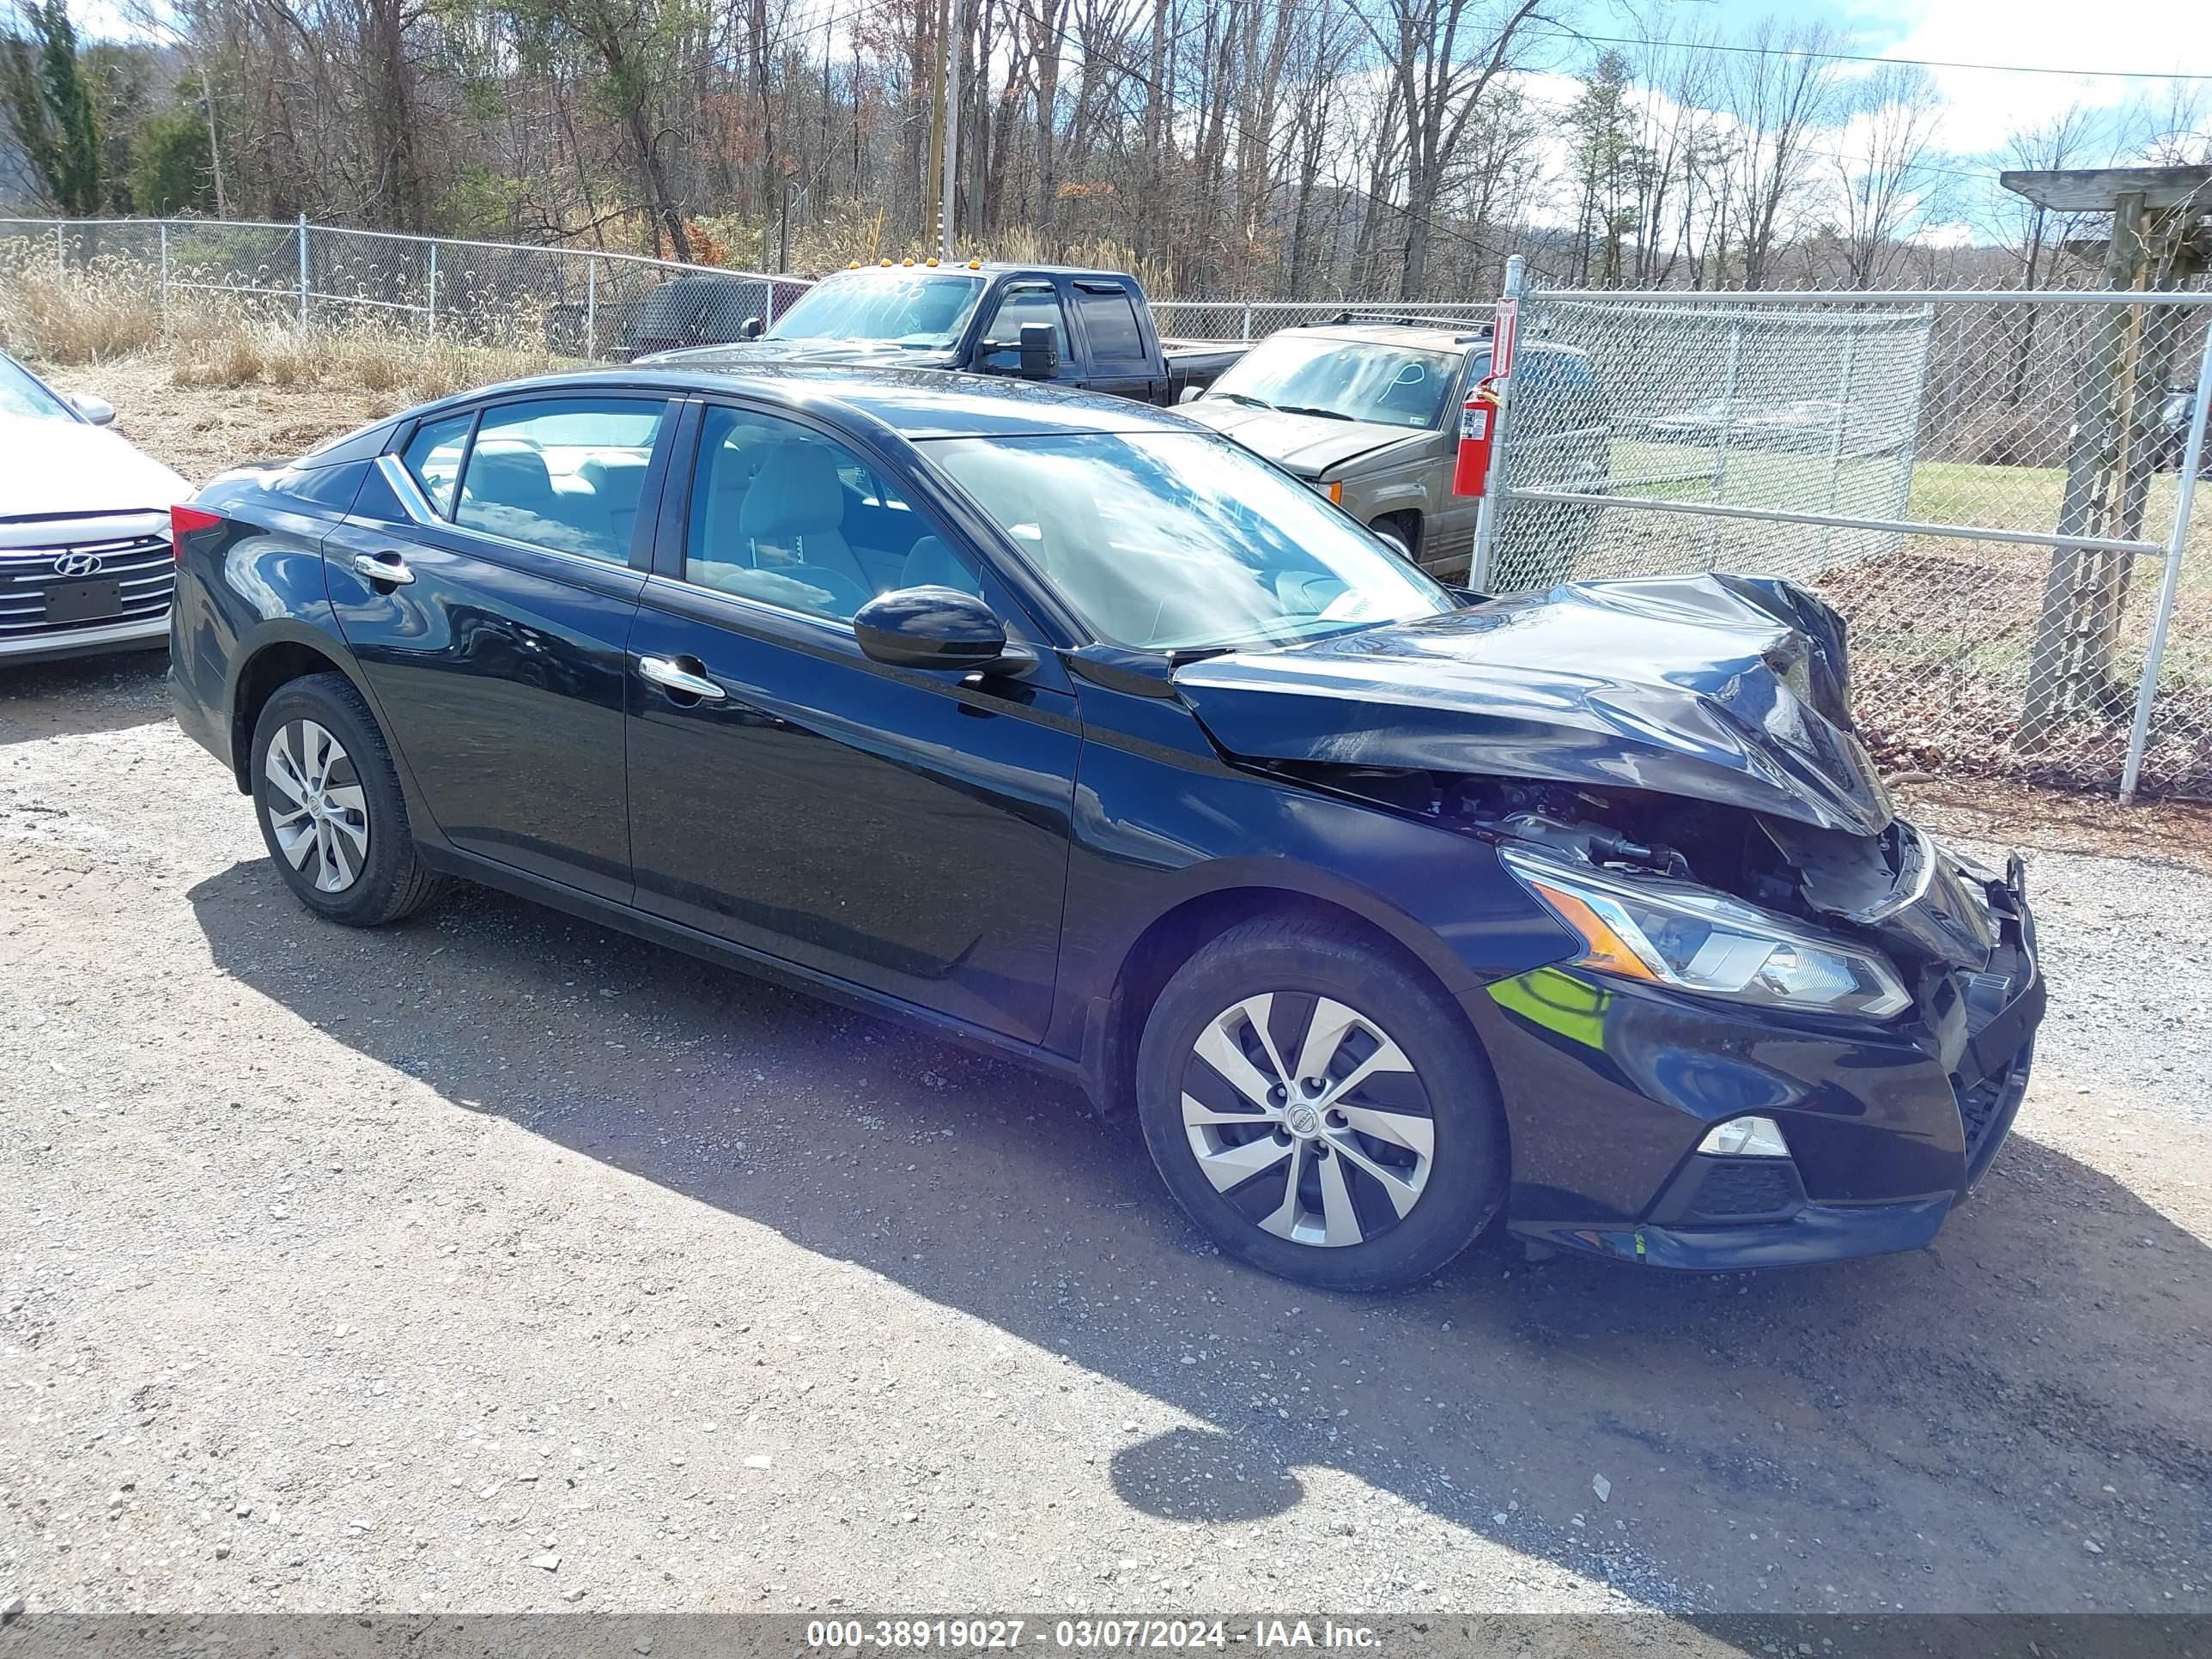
[(77, 564)]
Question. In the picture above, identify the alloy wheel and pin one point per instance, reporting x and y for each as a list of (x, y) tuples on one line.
[(318, 811), (1307, 1117)]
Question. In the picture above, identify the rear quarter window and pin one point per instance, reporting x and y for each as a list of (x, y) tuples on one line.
[(434, 456)]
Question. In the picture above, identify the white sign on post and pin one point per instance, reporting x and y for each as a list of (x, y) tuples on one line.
[(1502, 335)]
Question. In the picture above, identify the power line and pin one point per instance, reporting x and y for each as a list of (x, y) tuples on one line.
[(1866, 57)]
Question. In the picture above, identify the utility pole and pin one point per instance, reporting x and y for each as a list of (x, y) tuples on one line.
[(956, 27), (936, 170)]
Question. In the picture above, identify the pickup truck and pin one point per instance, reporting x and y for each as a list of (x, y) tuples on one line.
[(1090, 331)]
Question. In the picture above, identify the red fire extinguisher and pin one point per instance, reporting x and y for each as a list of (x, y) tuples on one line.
[(1478, 430)]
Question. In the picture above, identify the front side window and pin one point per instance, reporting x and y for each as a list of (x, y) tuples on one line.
[(434, 456), (21, 395), (563, 473), (922, 310), (1347, 379), (785, 516), (1024, 306), (1172, 541)]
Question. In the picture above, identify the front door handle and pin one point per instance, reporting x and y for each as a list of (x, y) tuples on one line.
[(673, 677), (383, 568)]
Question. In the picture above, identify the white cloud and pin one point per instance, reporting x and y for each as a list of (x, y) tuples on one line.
[(1986, 108)]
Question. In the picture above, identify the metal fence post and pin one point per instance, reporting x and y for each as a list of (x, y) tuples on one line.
[(165, 268), (1247, 323), (1479, 571), (434, 291), (2185, 501), (591, 309), (303, 273), (61, 258)]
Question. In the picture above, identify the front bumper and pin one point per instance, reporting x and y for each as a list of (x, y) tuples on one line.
[(138, 633), (1609, 1085)]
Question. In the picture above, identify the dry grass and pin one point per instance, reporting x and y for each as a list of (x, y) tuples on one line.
[(244, 352), (114, 310), (98, 315)]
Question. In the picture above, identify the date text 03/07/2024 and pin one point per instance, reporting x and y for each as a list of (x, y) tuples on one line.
[(1108, 1635)]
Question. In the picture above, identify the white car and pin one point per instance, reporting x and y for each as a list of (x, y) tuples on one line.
[(85, 564)]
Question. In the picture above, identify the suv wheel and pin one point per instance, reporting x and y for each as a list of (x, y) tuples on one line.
[(1403, 532), (1319, 1109), (331, 810)]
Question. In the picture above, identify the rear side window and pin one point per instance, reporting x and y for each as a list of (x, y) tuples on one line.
[(563, 473), (1109, 323), (434, 459)]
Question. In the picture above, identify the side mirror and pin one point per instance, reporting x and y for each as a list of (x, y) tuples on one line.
[(98, 411), (1039, 351), (749, 329), (930, 627), (1190, 394)]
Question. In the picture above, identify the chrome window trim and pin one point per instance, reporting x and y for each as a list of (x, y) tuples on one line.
[(412, 502)]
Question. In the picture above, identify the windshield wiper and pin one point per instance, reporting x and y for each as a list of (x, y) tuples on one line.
[(1181, 654), (1308, 409), (1241, 397)]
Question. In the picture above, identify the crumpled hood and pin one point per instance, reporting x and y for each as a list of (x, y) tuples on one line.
[(1724, 688), (872, 353), (56, 469), (1307, 444)]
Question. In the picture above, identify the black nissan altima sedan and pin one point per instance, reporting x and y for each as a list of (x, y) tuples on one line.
[(1068, 728)]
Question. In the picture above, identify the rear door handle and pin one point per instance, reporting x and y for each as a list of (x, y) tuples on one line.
[(383, 568), (672, 676)]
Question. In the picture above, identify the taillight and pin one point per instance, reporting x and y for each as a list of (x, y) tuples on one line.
[(182, 520)]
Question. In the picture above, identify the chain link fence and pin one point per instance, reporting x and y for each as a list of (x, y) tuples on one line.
[(571, 303), (1993, 488), (1256, 320)]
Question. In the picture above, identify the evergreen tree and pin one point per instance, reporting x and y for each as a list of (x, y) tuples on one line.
[(50, 108)]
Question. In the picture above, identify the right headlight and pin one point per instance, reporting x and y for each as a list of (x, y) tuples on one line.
[(1703, 942)]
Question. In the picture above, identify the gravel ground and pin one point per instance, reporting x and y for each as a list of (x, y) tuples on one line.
[(495, 1261)]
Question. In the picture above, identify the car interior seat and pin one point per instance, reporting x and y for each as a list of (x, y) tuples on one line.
[(930, 563)]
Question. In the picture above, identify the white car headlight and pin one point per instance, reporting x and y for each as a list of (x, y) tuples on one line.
[(1696, 940)]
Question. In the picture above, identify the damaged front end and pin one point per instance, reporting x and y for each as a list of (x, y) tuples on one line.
[(1819, 1020)]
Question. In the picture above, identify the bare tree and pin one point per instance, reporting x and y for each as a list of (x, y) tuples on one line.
[(1884, 185), (1777, 97)]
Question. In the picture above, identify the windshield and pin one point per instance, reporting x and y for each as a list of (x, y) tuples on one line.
[(1171, 541), (1392, 385), (921, 310), (20, 395)]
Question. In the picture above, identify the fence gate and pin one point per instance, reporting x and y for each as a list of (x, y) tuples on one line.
[(1994, 489)]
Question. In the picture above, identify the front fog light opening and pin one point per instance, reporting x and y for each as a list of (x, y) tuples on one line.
[(1746, 1137)]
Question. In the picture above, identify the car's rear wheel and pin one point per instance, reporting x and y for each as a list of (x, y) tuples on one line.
[(331, 810), (1319, 1108)]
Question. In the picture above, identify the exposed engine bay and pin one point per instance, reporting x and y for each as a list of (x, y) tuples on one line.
[(1685, 730)]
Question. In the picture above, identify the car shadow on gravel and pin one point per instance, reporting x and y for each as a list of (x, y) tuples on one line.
[(81, 696), (1952, 1429)]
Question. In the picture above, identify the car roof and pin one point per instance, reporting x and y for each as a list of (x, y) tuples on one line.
[(986, 268), (914, 402), (1444, 336)]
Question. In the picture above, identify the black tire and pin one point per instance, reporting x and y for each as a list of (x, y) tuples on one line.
[(1304, 965), (1403, 532), (389, 881)]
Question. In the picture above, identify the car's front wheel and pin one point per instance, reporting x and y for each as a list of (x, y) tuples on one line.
[(1319, 1108), (331, 810)]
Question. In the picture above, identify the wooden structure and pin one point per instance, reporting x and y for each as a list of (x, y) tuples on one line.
[(2161, 235)]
